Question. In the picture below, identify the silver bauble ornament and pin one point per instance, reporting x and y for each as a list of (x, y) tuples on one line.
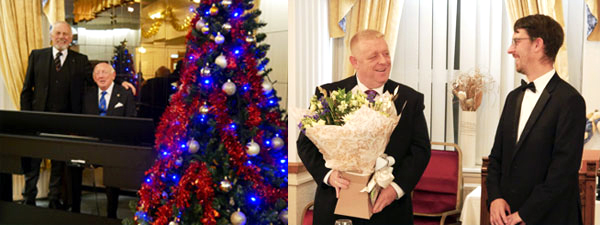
[(229, 88), (173, 223), (205, 71), (277, 143), (267, 86), (193, 146), (219, 39), (283, 216), (238, 218), (225, 185), (221, 61), (252, 148), (226, 27), (199, 25)]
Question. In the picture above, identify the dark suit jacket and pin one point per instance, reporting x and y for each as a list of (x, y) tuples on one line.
[(35, 88), (538, 175), (119, 95), (154, 97), (409, 145)]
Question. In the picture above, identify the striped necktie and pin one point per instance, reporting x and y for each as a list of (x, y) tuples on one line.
[(102, 105), (57, 61)]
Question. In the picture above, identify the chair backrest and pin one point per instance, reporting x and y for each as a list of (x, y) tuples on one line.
[(442, 179), (307, 214)]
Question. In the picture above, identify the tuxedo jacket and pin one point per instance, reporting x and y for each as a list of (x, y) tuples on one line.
[(35, 87), (121, 102), (409, 145), (537, 175)]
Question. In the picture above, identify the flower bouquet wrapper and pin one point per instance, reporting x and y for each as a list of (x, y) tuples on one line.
[(353, 148), (352, 202)]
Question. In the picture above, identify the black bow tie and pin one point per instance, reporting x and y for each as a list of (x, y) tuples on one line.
[(525, 86)]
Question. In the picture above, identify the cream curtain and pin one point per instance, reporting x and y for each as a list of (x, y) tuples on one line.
[(55, 10), (84, 10), (20, 32), (594, 6), (552, 8), (381, 15)]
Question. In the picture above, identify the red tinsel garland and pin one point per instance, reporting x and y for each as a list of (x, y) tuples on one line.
[(172, 131)]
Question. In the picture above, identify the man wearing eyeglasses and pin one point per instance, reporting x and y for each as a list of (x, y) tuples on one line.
[(534, 162)]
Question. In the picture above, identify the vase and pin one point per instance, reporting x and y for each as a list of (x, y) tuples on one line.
[(467, 137)]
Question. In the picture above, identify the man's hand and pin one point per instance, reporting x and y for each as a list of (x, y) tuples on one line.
[(515, 219), (128, 86), (498, 211), (338, 182), (385, 198)]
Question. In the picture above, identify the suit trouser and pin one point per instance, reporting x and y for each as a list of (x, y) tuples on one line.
[(112, 197), (31, 168)]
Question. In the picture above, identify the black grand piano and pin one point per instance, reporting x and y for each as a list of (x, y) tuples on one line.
[(121, 145)]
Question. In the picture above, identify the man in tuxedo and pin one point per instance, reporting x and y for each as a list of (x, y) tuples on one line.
[(107, 99), (409, 143), (532, 174), (54, 82)]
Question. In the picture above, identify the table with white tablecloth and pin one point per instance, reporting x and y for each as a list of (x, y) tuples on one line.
[(471, 210)]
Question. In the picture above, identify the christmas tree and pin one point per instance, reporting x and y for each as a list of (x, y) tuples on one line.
[(123, 64), (222, 152)]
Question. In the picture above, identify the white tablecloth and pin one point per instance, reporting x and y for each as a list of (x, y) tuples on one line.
[(471, 208), (470, 214)]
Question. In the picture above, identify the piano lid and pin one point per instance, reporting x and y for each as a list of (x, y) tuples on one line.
[(108, 129)]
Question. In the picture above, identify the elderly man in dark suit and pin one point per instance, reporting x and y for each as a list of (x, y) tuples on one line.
[(107, 99), (409, 143), (539, 141), (54, 82)]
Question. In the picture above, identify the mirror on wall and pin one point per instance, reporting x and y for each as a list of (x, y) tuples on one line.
[(143, 40)]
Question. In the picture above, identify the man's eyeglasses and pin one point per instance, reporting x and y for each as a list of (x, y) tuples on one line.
[(516, 40)]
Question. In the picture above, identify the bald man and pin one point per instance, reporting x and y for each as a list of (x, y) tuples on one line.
[(107, 99), (409, 143)]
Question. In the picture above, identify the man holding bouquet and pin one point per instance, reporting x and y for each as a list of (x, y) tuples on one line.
[(409, 142), (534, 163)]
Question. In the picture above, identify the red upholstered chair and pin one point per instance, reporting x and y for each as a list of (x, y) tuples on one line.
[(439, 192), (307, 214)]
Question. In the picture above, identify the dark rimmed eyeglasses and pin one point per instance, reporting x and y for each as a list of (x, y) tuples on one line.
[(516, 40)]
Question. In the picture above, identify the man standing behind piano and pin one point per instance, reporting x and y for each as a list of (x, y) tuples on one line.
[(108, 99), (54, 82)]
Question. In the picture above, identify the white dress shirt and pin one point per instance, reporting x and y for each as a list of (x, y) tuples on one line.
[(360, 87), (107, 96), (63, 57), (530, 99)]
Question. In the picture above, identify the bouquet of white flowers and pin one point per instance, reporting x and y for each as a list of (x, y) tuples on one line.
[(352, 130)]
